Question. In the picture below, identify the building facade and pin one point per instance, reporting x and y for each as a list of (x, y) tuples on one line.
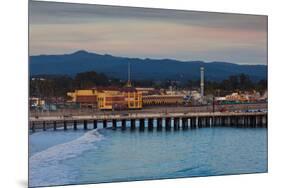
[(85, 97), (163, 100), (108, 98)]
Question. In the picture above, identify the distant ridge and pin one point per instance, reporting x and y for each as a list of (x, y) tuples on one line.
[(156, 69)]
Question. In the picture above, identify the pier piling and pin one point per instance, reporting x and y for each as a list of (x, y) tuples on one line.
[(85, 125), (133, 124), (150, 124), (159, 124), (33, 127), (141, 124), (184, 123), (65, 125), (104, 124), (75, 125), (176, 123), (95, 122), (168, 124), (123, 124), (44, 126), (114, 124), (55, 125)]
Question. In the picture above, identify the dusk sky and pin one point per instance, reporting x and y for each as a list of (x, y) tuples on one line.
[(59, 28)]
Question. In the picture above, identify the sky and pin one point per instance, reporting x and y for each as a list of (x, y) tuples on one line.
[(62, 28)]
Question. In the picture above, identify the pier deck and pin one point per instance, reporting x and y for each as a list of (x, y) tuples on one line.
[(180, 120)]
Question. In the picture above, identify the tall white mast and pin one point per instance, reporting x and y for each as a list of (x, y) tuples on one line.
[(202, 81), (129, 75)]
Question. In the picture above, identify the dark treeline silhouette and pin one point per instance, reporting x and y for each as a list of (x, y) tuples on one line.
[(236, 83), (45, 86)]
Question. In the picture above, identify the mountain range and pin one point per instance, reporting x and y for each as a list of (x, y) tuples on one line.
[(141, 69)]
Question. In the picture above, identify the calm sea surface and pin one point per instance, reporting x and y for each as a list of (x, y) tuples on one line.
[(103, 155)]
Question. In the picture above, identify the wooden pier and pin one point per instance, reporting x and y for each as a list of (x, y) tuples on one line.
[(157, 121)]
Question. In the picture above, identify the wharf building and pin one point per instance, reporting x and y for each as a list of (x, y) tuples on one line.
[(108, 98)]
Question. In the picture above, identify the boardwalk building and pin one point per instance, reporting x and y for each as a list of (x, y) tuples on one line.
[(108, 98)]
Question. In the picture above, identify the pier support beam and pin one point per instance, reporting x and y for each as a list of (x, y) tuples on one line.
[(159, 124), (150, 124), (176, 123), (44, 126), (114, 124), (250, 121), (168, 123), (215, 121), (264, 121), (75, 125), (141, 124), (256, 121), (242, 121), (197, 122), (85, 125), (245, 121), (184, 122), (123, 124), (104, 124), (64, 125), (227, 121), (235, 121), (133, 124), (33, 127), (55, 125), (259, 121), (218, 122), (95, 124), (189, 123), (206, 122), (193, 122), (231, 121), (253, 121), (223, 121)]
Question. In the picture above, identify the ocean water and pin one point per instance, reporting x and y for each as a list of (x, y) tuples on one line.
[(104, 155)]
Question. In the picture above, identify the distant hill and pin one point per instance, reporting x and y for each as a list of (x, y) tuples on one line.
[(156, 69)]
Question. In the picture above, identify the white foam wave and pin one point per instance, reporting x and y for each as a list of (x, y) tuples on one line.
[(42, 164)]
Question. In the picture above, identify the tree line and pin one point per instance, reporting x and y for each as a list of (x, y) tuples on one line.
[(233, 83), (58, 85)]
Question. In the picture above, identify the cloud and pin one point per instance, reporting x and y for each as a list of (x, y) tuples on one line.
[(139, 32)]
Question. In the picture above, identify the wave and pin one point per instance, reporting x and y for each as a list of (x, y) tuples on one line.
[(42, 164), (187, 169)]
